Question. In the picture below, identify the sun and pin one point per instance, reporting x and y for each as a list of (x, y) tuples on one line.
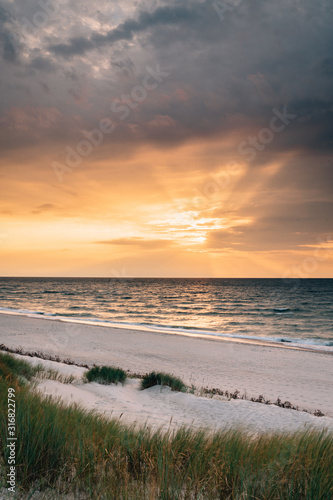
[(199, 239)]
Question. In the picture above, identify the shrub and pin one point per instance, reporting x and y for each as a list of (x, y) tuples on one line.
[(153, 378), (106, 375)]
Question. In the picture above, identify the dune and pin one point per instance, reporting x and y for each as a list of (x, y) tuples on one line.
[(304, 378)]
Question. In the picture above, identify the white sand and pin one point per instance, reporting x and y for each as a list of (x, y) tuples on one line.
[(301, 377), (161, 408)]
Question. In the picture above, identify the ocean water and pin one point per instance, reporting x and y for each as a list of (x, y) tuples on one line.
[(287, 311)]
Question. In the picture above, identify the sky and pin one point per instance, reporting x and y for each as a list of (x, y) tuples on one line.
[(179, 138)]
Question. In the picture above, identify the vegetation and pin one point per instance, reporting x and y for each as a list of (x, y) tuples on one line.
[(151, 379), (15, 368), (50, 374), (71, 450), (106, 375)]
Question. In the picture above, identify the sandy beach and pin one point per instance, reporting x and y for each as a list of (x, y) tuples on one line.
[(302, 377)]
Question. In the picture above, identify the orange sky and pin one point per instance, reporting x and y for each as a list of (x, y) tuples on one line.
[(160, 140), (154, 213)]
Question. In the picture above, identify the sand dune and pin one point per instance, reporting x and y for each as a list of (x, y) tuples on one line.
[(301, 377), (160, 407)]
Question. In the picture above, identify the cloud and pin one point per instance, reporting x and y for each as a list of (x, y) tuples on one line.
[(326, 66), (42, 64), (232, 72), (8, 44), (225, 78), (288, 226), (44, 208), (162, 16), (148, 244)]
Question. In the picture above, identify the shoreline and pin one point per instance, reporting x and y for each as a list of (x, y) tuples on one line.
[(297, 375), (177, 332)]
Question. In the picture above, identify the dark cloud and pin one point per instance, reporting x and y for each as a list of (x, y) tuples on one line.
[(288, 226), (8, 42), (9, 52), (162, 16), (232, 71), (4, 15), (326, 66), (76, 46), (42, 64), (225, 76)]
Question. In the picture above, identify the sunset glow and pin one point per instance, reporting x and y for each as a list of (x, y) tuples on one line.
[(157, 140)]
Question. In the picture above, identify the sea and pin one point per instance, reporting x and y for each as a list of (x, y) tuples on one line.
[(294, 312)]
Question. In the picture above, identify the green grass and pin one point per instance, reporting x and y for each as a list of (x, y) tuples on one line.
[(151, 379), (16, 368), (106, 375), (71, 450)]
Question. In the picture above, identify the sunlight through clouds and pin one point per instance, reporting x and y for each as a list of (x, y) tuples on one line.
[(177, 134)]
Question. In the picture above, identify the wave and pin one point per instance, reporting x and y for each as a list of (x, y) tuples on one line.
[(89, 319)]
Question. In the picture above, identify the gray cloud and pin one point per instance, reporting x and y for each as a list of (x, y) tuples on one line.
[(162, 16), (287, 226), (8, 43), (42, 64), (224, 77)]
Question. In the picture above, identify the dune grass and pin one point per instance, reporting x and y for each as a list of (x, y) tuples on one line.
[(13, 367), (106, 375), (158, 378), (70, 450), (51, 374), (17, 368)]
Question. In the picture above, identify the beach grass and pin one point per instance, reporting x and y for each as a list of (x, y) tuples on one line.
[(15, 368), (70, 450), (158, 378), (51, 374), (106, 375)]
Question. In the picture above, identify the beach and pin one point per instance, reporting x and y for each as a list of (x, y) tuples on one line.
[(302, 377)]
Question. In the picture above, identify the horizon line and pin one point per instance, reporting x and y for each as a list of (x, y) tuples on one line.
[(168, 277)]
